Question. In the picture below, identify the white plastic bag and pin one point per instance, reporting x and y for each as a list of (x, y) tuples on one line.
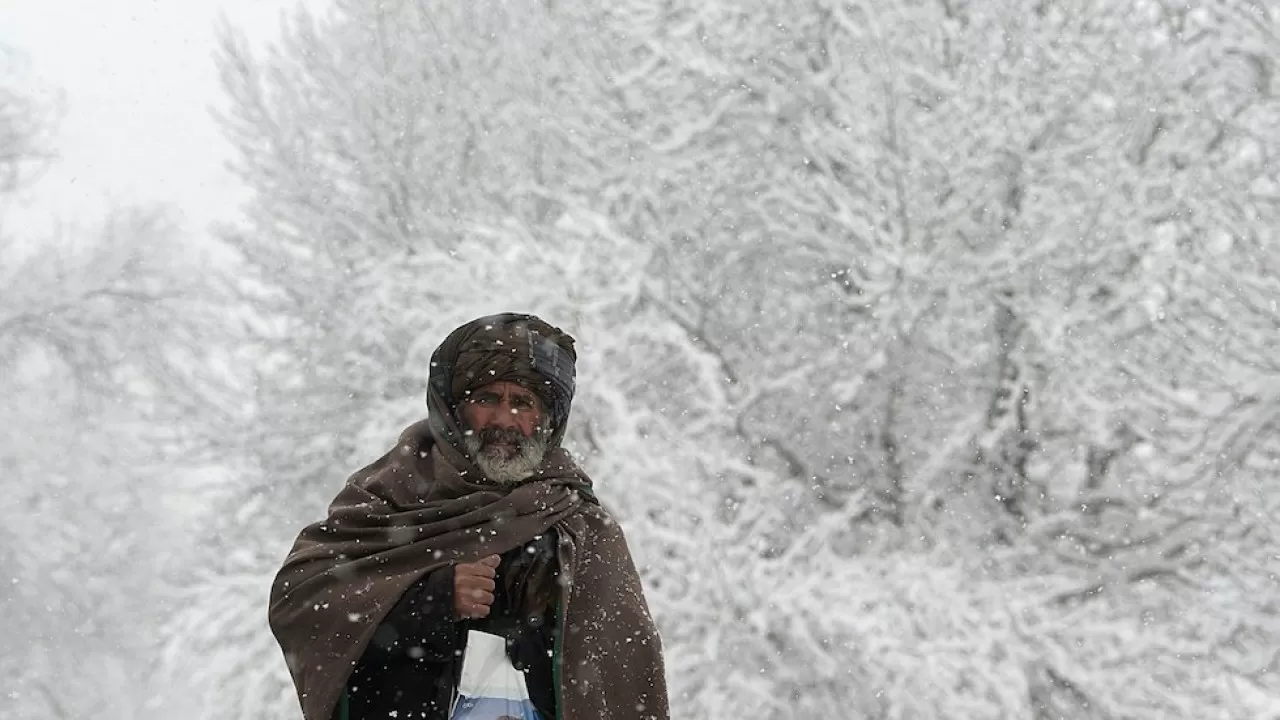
[(491, 688)]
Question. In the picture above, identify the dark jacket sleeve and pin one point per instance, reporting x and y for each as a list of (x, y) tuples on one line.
[(421, 626)]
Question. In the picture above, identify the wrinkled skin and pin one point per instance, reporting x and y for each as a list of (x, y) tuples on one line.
[(503, 414), (505, 431)]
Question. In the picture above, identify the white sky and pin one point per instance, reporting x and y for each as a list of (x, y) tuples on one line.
[(138, 80)]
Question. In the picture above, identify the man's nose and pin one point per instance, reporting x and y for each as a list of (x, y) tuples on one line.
[(505, 417)]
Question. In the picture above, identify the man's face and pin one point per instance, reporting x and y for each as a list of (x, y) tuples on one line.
[(505, 431), (510, 409)]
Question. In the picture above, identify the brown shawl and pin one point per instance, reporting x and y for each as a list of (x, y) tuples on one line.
[(412, 512)]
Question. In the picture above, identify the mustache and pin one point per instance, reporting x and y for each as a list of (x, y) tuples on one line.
[(509, 436), (517, 464)]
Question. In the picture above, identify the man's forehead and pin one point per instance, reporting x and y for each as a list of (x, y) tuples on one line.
[(504, 387)]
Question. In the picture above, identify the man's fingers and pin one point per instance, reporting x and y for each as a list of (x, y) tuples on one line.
[(474, 586), (467, 611), (474, 603), (477, 569), (480, 583)]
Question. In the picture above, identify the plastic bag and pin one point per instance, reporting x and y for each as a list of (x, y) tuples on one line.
[(491, 688)]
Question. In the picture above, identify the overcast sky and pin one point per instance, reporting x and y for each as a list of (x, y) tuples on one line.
[(138, 80)]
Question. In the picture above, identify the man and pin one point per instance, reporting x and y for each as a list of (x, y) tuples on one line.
[(478, 519)]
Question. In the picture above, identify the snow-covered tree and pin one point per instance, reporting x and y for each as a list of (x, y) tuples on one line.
[(937, 246), (103, 342)]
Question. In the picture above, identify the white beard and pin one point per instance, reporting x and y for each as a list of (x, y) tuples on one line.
[(508, 470)]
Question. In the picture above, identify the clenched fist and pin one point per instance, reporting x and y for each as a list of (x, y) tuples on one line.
[(473, 588)]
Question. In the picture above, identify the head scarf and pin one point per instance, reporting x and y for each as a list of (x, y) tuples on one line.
[(511, 347)]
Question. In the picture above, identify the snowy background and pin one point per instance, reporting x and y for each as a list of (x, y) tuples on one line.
[(930, 350)]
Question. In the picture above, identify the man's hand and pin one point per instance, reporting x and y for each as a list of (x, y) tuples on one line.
[(473, 588)]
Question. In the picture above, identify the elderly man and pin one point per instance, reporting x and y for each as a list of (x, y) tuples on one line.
[(476, 520)]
